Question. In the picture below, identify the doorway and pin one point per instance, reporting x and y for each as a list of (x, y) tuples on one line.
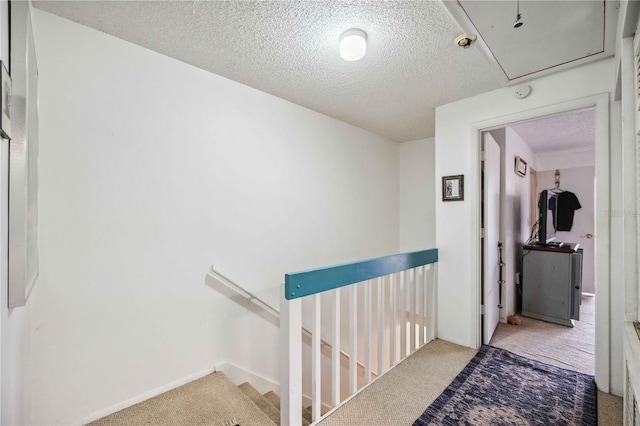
[(600, 103), (558, 153)]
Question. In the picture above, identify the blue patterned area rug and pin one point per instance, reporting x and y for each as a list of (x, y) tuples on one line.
[(501, 388)]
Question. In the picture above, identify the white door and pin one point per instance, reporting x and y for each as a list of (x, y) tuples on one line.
[(491, 225)]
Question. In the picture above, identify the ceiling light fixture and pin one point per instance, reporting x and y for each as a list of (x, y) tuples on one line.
[(353, 44), (465, 41), (518, 22)]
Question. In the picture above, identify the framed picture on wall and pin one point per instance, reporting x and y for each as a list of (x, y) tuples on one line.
[(520, 167), (5, 116), (453, 188)]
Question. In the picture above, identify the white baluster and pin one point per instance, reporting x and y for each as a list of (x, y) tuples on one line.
[(290, 360), (381, 341), (413, 282), (316, 358), (367, 331), (353, 338), (429, 303), (335, 363), (403, 315), (392, 320), (421, 304), (434, 301)]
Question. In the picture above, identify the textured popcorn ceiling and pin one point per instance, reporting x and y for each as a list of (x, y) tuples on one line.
[(573, 131), (290, 49)]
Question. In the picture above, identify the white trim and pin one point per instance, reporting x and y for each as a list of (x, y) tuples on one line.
[(602, 222), (631, 357), (238, 375), (461, 18), (602, 246), (454, 340), (144, 396), (4, 249)]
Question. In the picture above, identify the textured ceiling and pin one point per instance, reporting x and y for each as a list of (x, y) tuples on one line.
[(290, 49), (573, 131)]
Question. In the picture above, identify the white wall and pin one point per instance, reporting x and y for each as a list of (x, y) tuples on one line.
[(4, 32), (4, 56), (15, 323), (15, 348), (630, 117), (580, 181), (151, 170), (457, 231), (417, 195)]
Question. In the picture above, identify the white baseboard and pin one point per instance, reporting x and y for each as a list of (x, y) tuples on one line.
[(238, 375), (456, 341), (147, 395)]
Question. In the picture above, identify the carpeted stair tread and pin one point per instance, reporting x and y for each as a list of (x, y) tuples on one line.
[(274, 399), (210, 400), (306, 415), (262, 402)]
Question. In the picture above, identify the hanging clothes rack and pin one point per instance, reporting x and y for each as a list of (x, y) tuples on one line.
[(557, 188)]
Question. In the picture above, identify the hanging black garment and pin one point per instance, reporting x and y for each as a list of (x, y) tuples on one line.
[(567, 204)]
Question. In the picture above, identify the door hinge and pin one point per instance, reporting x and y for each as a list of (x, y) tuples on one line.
[(483, 155), (482, 310), (482, 234)]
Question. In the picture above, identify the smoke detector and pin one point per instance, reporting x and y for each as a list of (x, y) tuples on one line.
[(465, 40)]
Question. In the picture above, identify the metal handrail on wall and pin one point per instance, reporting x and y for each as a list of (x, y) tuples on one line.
[(252, 298), (409, 281)]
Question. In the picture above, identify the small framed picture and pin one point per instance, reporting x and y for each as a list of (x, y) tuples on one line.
[(520, 167), (5, 116), (453, 188)]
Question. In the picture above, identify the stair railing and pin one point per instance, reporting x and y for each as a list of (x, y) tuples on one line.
[(404, 286), (250, 297), (327, 349)]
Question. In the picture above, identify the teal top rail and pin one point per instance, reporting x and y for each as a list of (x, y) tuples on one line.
[(306, 283)]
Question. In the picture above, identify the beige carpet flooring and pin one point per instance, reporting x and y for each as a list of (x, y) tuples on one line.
[(401, 395), (211, 400), (565, 347)]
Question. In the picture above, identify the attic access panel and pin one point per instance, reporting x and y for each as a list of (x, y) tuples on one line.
[(555, 34)]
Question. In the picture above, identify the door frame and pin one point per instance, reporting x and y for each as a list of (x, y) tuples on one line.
[(600, 104), (485, 255)]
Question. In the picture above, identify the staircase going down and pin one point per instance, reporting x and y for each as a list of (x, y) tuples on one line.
[(210, 400)]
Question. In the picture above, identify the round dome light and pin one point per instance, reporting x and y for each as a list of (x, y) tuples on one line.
[(353, 44)]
